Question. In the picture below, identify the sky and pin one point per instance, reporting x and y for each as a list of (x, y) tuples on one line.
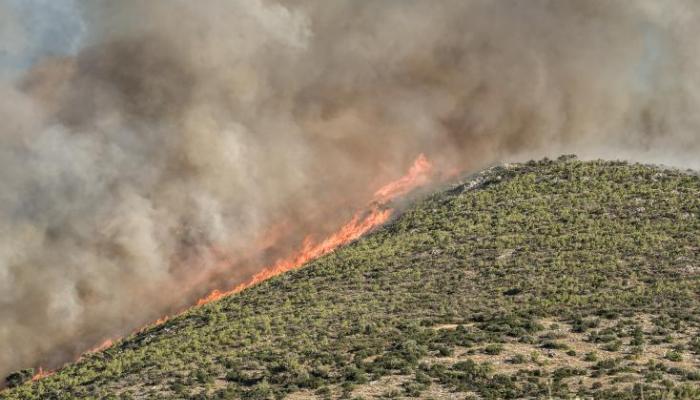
[(31, 29)]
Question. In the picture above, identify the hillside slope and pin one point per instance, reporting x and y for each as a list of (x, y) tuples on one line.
[(550, 278)]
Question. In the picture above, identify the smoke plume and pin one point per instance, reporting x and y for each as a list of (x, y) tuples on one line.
[(141, 172)]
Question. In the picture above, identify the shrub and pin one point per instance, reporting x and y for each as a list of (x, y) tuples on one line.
[(493, 349), (19, 377), (674, 356)]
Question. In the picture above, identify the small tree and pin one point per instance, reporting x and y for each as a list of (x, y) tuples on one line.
[(19, 377)]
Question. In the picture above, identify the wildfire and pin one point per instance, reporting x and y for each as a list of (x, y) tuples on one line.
[(103, 346), (41, 374), (362, 222), (418, 175)]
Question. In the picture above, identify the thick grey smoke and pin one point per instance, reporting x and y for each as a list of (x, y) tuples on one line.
[(134, 173)]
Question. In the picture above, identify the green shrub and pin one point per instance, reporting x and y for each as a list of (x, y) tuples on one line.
[(674, 356), (493, 349)]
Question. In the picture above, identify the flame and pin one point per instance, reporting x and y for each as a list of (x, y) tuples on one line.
[(358, 226), (41, 373), (362, 222), (418, 175), (102, 346)]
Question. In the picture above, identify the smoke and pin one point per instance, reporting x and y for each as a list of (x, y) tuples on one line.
[(144, 170)]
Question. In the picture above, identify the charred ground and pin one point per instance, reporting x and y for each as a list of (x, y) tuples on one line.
[(550, 278)]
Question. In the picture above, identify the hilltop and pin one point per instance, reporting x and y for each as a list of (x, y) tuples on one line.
[(550, 278)]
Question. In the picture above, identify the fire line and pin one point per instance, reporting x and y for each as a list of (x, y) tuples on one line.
[(376, 214)]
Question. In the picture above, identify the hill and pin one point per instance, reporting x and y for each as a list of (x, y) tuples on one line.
[(549, 278)]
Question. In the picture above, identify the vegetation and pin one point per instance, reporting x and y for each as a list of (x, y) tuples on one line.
[(545, 279)]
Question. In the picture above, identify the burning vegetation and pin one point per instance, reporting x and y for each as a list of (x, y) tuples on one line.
[(376, 214), (362, 222), (179, 152), (545, 279)]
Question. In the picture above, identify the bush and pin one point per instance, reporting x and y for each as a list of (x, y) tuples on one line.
[(261, 391), (518, 359), (493, 349), (674, 356), (553, 345), (19, 377)]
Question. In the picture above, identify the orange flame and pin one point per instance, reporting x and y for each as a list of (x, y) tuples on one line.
[(42, 374), (362, 222), (357, 226), (418, 175), (102, 346)]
